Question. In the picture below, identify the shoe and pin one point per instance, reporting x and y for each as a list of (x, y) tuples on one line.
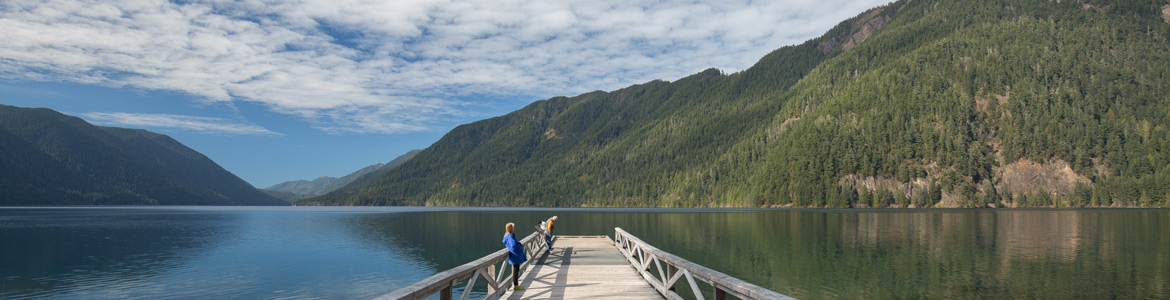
[(519, 288)]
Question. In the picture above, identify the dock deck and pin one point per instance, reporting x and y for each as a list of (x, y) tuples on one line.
[(583, 267)]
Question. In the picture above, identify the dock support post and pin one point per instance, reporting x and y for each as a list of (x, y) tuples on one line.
[(720, 294), (670, 271), (445, 294)]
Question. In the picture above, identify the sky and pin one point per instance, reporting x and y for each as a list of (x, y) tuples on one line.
[(285, 90)]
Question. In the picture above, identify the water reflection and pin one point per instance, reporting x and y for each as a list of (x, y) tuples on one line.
[(47, 253), (935, 254), (823, 254), (355, 253), (192, 253)]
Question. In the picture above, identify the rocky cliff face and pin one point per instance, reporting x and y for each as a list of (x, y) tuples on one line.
[(861, 29), (1055, 176)]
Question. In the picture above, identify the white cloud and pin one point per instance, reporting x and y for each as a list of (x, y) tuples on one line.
[(198, 124), (394, 66)]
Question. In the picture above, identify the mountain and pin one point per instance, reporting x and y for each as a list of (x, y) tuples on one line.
[(47, 158), (289, 197), (917, 103), (367, 178), (300, 189), (314, 187)]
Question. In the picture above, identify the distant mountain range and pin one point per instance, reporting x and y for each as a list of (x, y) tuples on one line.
[(47, 158), (301, 189), (923, 103)]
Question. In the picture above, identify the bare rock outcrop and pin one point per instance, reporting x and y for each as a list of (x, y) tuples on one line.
[(551, 134), (1166, 13), (861, 29), (1025, 176)]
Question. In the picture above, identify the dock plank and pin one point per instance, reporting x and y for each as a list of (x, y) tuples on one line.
[(581, 267)]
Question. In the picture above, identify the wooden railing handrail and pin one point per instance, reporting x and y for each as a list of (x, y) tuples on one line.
[(484, 267), (643, 257)]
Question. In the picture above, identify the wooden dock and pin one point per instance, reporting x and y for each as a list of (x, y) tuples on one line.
[(583, 267)]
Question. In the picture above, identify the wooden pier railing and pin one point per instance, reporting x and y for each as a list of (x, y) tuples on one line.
[(661, 270), (490, 268), (671, 269)]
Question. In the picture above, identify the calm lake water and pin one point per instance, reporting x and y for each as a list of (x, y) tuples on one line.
[(359, 253)]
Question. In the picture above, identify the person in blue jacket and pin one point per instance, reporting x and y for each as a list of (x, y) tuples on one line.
[(515, 253)]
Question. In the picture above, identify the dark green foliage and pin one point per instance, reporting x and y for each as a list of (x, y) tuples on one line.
[(884, 198), (949, 92), (47, 158)]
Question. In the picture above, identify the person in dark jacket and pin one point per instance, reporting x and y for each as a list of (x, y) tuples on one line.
[(515, 253)]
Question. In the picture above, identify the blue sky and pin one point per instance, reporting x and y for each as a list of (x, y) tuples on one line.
[(285, 90)]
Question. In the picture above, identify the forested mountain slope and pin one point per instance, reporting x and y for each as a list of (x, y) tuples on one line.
[(917, 103), (47, 158)]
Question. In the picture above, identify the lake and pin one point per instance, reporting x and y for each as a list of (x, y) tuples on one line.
[(360, 253)]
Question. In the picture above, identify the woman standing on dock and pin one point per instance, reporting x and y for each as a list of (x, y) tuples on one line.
[(548, 232), (515, 253)]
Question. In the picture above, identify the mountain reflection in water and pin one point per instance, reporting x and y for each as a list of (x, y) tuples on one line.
[(356, 253)]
